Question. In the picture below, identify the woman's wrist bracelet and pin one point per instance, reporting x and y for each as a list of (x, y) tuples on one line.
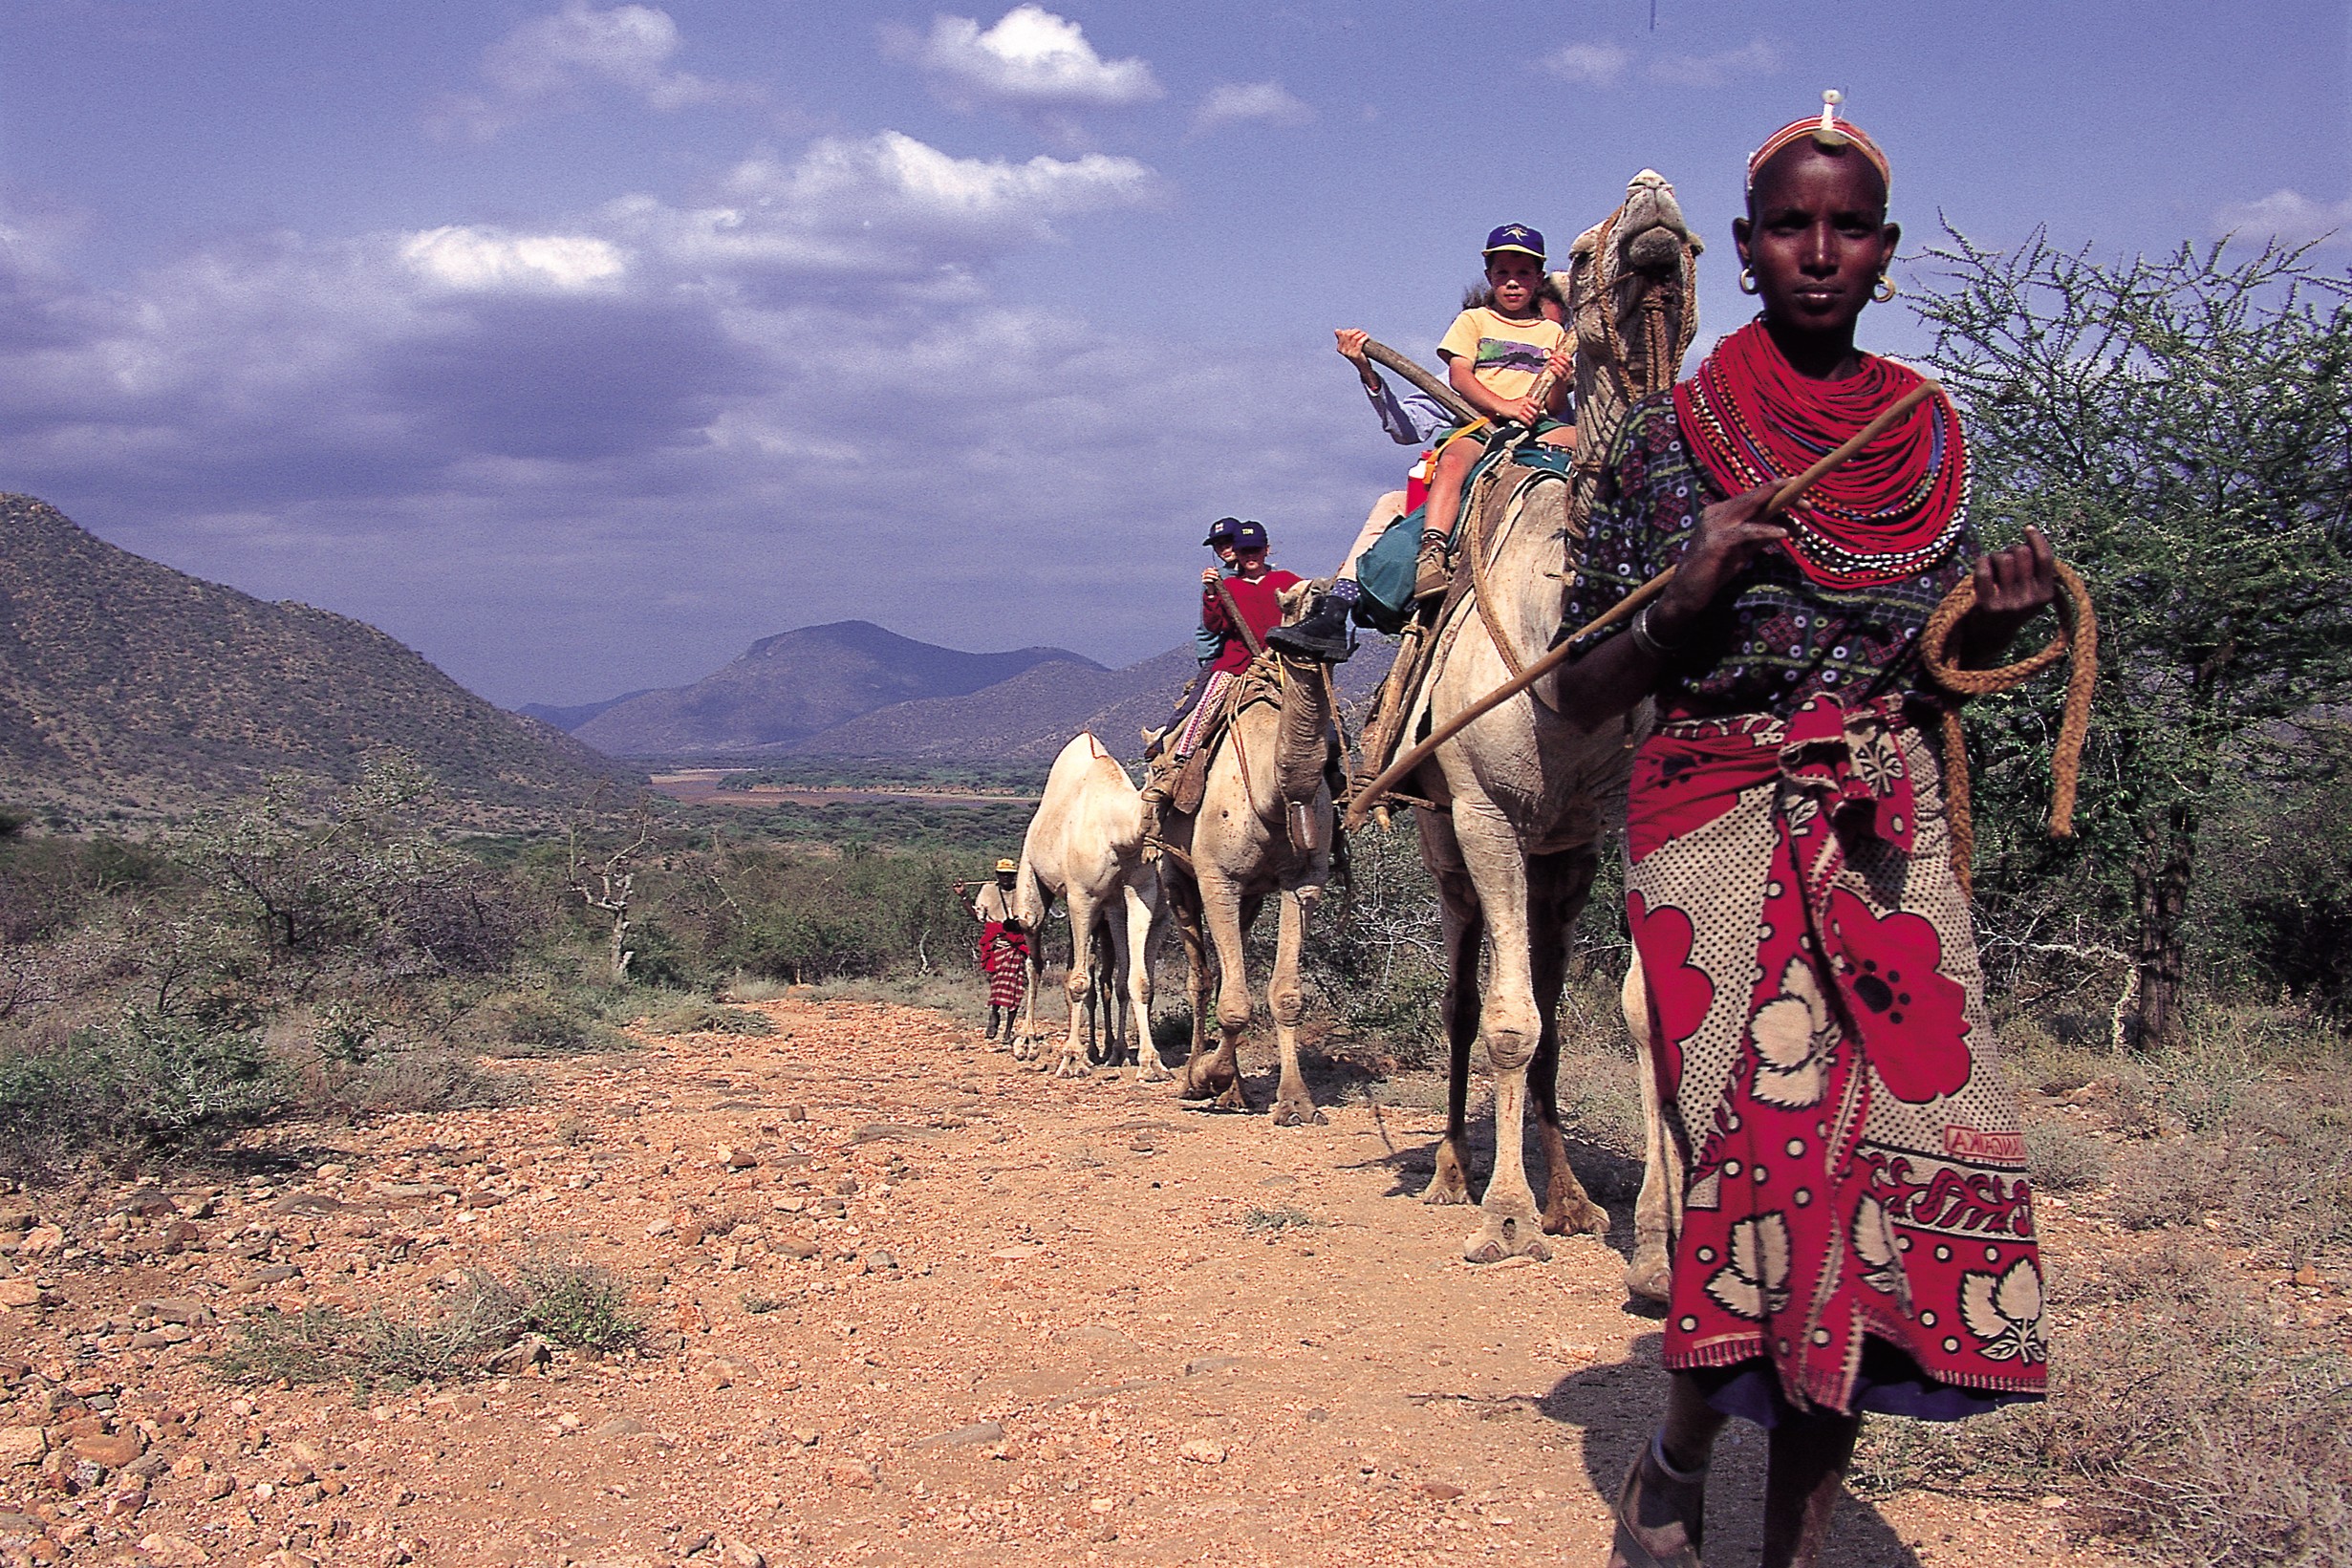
[(1647, 640)]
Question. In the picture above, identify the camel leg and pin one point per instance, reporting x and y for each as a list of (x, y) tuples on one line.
[(1220, 1077), (1078, 985), (1657, 1213), (1286, 1001), (1512, 1029), (1464, 928), (1184, 900), (1563, 881), (1135, 944)]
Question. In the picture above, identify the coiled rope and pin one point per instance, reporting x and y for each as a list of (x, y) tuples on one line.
[(2077, 640)]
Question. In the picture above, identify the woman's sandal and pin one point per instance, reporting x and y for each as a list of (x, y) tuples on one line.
[(1667, 1545)]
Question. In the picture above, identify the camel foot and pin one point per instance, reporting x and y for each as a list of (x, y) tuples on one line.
[(1505, 1238), (1072, 1065), (1151, 1070), (1209, 1084), (1298, 1113), (1581, 1217), (1448, 1185), (1651, 1273)]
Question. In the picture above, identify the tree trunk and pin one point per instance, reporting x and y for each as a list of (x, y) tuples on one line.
[(618, 953), (2160, 899)]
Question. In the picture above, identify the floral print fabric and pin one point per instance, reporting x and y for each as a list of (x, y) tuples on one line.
[(1852, 1156)]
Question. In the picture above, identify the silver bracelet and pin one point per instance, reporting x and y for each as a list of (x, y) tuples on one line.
[(1647, 640)]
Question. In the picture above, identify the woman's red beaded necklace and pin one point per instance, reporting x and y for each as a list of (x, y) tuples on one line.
[(1891, 512)]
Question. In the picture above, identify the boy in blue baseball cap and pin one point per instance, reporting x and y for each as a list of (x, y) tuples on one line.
[(1494, 353)]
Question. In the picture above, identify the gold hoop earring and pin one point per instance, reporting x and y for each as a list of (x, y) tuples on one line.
[(1884, 291), (1747, 281)]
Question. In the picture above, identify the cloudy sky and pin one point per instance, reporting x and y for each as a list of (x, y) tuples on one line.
[(580, 344)]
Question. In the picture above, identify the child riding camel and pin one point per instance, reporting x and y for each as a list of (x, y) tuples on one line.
[(1253, 591), (1494, 353)]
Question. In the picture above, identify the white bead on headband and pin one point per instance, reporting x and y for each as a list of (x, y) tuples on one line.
[(1828, 133)]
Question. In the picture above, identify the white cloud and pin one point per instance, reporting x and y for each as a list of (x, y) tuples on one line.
[(461, 256), (1589, 65), (506, 443), (1233, 102), (1759, 58), (1031, 59), (2288, 216), (551, 58), (880, 210)]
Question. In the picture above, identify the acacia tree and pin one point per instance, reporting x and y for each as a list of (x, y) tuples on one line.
[(2181, 427)]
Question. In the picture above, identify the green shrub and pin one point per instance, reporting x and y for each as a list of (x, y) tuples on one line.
[(579, 1306), (143, 1084), (708, 1017), (545, 1023)]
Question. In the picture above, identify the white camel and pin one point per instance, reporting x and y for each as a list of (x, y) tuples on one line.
[(1522, 794), (1264, 829), (1085, 847)]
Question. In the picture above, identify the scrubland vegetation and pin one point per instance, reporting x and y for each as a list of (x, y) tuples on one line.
[(2172, 988)]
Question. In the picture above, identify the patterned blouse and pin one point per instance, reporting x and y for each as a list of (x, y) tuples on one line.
[(1786, 638)]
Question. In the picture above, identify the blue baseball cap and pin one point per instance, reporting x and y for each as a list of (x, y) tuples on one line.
[(1221, 530), (1249, 536), (1516, 237)]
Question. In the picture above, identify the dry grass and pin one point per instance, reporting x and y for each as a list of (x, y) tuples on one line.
[(570, 1305)]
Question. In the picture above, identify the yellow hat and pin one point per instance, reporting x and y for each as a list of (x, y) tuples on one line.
[(1006, 866)]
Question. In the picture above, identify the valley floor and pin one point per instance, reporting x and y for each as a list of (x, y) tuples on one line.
[(1072, 1321)]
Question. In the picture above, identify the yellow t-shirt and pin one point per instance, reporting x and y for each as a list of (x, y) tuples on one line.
[(1504, 355)]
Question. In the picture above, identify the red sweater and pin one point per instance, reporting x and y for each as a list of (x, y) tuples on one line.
[(1259, 607)]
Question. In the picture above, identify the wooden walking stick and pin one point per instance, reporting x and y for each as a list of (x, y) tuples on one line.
[(1396, 772)]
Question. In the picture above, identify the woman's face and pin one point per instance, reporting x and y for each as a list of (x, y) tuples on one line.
[(1818, 238)]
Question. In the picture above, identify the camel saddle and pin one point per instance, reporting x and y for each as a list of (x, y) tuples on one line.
[(1491, 484)]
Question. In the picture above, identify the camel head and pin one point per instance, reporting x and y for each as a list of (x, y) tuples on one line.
[(1633, 296), (1651, 236), (1296, 598)]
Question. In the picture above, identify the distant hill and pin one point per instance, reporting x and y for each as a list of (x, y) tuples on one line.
[(573, 718), (1032, 715), (797, 684), (131, 690)]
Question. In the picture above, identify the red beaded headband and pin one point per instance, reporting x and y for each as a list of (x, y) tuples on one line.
[(1826, 130)]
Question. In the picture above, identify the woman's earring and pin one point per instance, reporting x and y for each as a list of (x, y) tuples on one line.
[(1884, 291), (1747, 280)]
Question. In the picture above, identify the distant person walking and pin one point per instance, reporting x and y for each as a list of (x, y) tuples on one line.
[(1004, 947)]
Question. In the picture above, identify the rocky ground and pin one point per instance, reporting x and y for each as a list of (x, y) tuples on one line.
[(905, 1302)]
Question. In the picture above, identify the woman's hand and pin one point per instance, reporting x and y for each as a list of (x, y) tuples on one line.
[(1731, 534), (2013, 586)]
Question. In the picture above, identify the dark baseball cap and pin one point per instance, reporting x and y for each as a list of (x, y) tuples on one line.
[(1516, 237), (1222, 530), (1249, 536)]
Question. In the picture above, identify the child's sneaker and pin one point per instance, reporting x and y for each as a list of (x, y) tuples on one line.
[(1433, 570)]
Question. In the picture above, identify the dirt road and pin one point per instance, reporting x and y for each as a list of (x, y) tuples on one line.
[(1051, 1322)]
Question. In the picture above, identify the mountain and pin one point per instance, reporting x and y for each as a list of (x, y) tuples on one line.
[(573, 718), (1032, 715), (797, 684), (131, 690)]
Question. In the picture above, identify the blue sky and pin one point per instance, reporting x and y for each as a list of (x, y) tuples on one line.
[(580, 344)]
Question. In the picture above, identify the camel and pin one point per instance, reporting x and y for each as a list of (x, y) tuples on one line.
[(1521, 795), (1085, 845), (1265, 827)]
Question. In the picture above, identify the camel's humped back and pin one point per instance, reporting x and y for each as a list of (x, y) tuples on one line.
[(1088, 821)]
